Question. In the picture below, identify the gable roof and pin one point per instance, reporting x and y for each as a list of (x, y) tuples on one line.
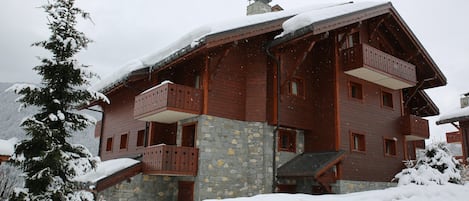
[(294, 23), (221, 33)]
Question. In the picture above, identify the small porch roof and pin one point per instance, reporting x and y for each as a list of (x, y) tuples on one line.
[(310, 164)]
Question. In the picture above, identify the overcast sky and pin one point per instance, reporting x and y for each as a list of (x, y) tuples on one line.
[(123, 30)]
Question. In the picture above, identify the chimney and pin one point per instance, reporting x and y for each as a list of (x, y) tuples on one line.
[(258, 7), (465, 100)]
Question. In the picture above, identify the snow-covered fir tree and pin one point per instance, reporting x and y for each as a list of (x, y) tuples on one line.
[(48, 160), (436, 166)]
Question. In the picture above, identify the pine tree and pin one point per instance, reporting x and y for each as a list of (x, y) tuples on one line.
[(48, 160)]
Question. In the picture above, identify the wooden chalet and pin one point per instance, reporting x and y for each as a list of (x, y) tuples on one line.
[(459, 118), (342, 97)]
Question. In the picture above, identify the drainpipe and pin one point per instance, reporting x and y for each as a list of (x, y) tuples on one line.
[(275, 132)]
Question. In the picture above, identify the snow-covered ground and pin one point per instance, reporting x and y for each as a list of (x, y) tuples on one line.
[(448, 192)]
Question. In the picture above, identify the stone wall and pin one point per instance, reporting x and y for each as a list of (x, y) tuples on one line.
[(142, 188), (347, 186), (235, 157)]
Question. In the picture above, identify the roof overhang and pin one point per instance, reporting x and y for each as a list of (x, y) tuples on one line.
[(310, 164), (324, 26), (118, 177)]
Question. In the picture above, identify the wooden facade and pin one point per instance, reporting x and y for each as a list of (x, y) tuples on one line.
[(364, 77)]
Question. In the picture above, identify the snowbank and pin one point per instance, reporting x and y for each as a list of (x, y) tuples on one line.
[(404, 193), (7, 147), (105, 169)]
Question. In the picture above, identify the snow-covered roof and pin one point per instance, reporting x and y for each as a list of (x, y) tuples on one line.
[(195, 39), (455, 115), (7, 147), (105, 169)]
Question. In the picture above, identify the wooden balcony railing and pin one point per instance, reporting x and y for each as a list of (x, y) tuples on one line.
[(170, 160), (168, 103), (414, 127), (376, 66)]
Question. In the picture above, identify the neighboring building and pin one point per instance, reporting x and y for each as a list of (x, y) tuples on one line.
[(333, 106), (459, 118), (7, 148), (454, 140)]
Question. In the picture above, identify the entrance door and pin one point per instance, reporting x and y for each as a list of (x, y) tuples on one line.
[(186, 191), (188, 135)]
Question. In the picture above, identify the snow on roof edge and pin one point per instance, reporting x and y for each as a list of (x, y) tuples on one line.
[(196, 38), (454, 115), (7, 147), (106, 168)]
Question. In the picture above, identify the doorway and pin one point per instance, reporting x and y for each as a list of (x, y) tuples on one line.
[(185, 191), (188, 135)]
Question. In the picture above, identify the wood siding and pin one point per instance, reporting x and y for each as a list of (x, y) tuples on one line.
[(119, 120), (376, 122)]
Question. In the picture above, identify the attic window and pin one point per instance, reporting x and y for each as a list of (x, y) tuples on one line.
[(297, 87), (349, 40)]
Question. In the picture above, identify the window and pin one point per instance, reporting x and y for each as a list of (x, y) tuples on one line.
[(109, 144), (287, 140), (355, 90), (140, 138), (349, 41), (386, 99), (296, 87), (357, 142), (123, 144), (390, 147)]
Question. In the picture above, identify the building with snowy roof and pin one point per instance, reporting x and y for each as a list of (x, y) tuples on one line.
[(325, 99), (7, 148), (459, 118)]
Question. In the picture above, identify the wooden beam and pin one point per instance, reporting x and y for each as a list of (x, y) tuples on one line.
[(205, 83), (298, 63), (220, 61)]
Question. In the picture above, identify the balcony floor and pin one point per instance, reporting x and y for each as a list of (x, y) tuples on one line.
[(167, 116), (379, 78)]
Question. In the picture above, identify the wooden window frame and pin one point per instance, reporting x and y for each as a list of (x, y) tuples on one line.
[(109, 144), (362, 141), (290, 135), (389, 152), (124, 141), (140, 138), (351, 39), (351, 84), (300, 87), (383, 105)]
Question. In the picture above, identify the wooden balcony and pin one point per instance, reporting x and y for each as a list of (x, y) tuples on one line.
[(168, 103), (170, 160), (371, 64), (415, 128)]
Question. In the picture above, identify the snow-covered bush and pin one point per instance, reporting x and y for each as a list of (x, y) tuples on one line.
[(465, 173), (436, 166)]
